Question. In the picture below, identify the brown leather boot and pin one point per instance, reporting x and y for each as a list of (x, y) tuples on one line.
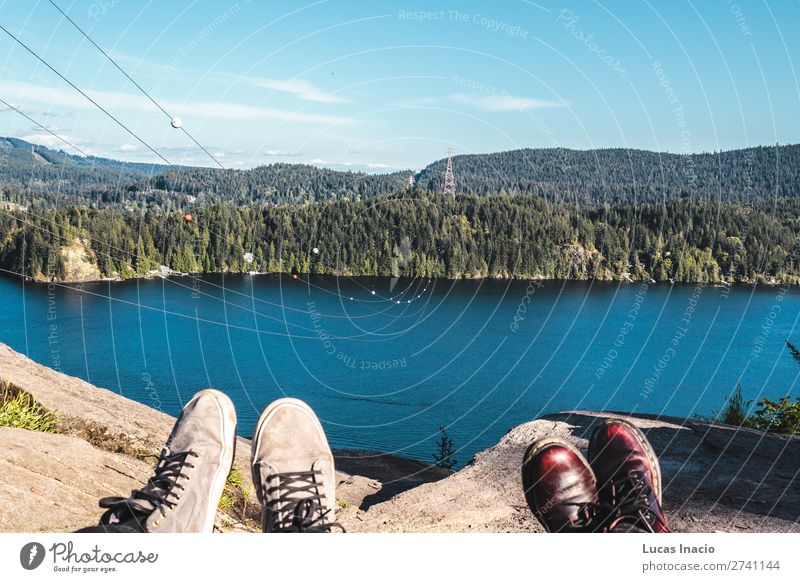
[(559, 486), (628, 477)]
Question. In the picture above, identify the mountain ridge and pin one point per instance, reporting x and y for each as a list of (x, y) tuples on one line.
[(596, 176)]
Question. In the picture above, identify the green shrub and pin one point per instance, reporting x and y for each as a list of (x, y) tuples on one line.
[(782, 415), (735, 411), (18, 409), (779, 416)]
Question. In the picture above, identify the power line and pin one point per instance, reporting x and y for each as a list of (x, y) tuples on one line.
[(29, 118), (134, 255), (137, 85), (95, 103)]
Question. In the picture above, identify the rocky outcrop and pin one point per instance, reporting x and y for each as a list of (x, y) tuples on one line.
[(52, 482), (80, 262), (717, 478), (107, 444)]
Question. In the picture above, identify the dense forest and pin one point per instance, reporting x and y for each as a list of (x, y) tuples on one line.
[(626, 175), (29, 171), (607, 214), (35, 173), (422, 234)]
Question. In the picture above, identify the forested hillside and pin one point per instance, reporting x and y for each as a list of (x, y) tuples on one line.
[(422, 235), (35, 173), (608, 214), (277, 183), (620, 175), (30, 172)]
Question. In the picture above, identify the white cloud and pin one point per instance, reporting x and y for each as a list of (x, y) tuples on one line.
[(64, 97), (128, 147), (300, 89), (219, 154), (502, 103)]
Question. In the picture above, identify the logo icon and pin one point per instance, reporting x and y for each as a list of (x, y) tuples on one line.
[(31, 555)]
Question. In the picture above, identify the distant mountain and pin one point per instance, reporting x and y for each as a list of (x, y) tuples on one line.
[(593, 176), (22, 162), (626, 175), (29, 171)]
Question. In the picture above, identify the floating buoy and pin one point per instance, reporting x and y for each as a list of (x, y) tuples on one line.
[(176, 122), (294, 277), (373, 292), (187, 217)]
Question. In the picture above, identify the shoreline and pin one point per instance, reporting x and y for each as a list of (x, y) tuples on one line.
[(526, 278)]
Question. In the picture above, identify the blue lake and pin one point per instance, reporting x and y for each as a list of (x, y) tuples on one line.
[(475, 356)]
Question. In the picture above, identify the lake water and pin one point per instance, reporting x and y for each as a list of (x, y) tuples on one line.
[(478, 357)]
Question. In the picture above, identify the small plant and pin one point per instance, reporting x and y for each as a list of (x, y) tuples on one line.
[(443, 457), (343, 504), (735, 411), (18, 409), (782, 415), (233, 490)]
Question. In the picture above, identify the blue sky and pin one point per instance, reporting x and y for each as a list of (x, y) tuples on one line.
[(380, 86)]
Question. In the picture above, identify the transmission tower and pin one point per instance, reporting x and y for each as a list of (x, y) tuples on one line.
[(449, 176), (411, 180)]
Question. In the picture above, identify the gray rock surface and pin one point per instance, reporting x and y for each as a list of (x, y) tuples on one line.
[(52, 482), (717, 478), (108, 431)]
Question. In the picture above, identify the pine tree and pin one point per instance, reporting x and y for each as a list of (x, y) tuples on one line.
[(443, 457)]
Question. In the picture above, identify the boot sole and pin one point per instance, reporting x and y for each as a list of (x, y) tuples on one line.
[(227, 414), (535, 448), (262, 420), (648, 448)]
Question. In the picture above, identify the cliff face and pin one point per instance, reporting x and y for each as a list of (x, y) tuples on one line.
[(716, 477), (80, 263)]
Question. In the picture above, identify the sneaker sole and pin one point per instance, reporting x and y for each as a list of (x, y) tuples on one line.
[(262, 420), (648, 448), (227, 416), (534, 449)]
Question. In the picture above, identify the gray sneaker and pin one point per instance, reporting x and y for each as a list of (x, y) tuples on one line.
[(293, 469), (185, 489)]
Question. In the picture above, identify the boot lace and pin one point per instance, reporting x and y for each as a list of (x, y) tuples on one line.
[(631, 500), (300, 504), (161, 493)]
